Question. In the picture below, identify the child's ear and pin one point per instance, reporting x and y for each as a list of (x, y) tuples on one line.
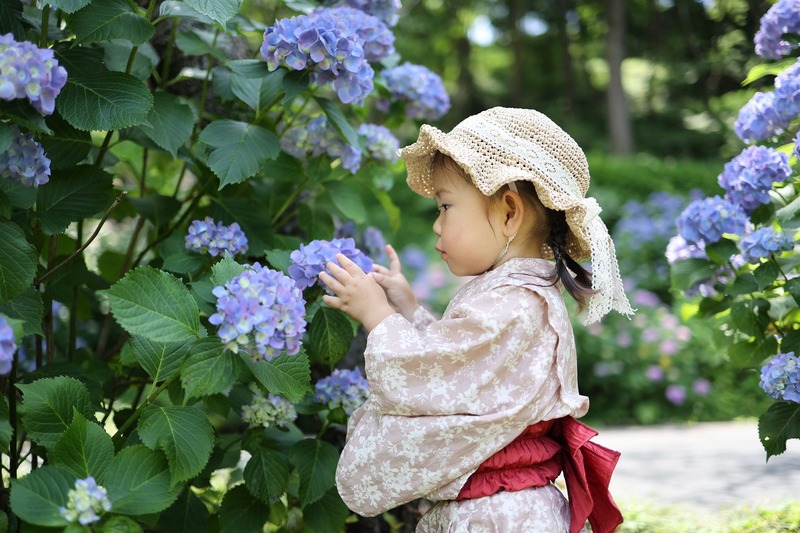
[(513, 210)]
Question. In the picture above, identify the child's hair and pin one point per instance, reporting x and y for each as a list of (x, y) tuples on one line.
[(579, 285)]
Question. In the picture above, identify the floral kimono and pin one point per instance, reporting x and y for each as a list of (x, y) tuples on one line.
[(446, 395)]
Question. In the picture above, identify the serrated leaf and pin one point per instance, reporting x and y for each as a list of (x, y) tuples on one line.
[(138, 482), (766, 274), (180, 9), (328, 514), (169, 123), (186, 515), (17, 261), (288, 375), (266, 475), (28, 308), (241, 512), (119, 524), (67, 146), (279, 259), (159, 359), (183, 433), (219, 10), (154, 305), (18, 195), (5, 424), (346, 196), (110, 19), (329, 336), (48, 406), (10, 16), (37, 497), (338, 120), (209, 369), (224, 271), (252, 68), (84, 449), (257, 93), (68, 6), (239, 149), (315, 461), (71, 195), (780, 423)]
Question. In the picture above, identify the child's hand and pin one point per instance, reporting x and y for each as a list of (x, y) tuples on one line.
[(357, 294), (398, 290)]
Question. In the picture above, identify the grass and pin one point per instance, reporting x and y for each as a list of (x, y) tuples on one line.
[(648, 518)]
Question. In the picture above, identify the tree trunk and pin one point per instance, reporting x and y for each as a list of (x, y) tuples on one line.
[(619, 121), (570, 92), (517, 74)]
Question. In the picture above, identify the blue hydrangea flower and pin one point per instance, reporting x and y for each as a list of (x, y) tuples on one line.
[(763, 242), (414, 258), (347, 389), (25, 161), (310, 259), (378, 39), (8, 346), (759, 119), (787, 93), (380, 143), (261, 311), (87, 501), (319, 137), (653, 220), (374, 243), (268, 411), (748, 177), (346, 230), (780, 377), (680, 250), (386, 10), (421, 89), (27, 71), (706, 220), (215, 238), (782, 18)]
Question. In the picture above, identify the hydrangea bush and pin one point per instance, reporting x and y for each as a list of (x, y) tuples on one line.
[(738, 253), (172, 175)]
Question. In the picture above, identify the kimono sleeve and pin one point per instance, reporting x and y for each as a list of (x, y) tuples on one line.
[(444, 399)]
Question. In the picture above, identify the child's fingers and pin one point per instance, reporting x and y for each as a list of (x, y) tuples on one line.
[(351, 268), (331, 282), (332, 301), (380, 269), (394, 260)]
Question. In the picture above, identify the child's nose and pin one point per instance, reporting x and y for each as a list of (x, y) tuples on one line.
[(437, 227)]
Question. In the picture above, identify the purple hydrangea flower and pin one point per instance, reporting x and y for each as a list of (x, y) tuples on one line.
[(374, 244), (27, 71), (796, 148), (706, 220), (87, 501), (310, 259), (380, 143), (268, 411), (386, 10), (215, 238), (378, 39), (787, 93), (748, 177), (701, 387), (679, 250), (780, 377), (676, 394), (653, 220), (319, 137), (260, 310), (8, 346), (763, 242), (25, 161), (782, 18), (421, 89), (654, 373), (414, 258), (759, 119), (343, 388), (346, 230)]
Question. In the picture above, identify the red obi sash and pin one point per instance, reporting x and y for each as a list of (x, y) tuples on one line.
[(539, 455)]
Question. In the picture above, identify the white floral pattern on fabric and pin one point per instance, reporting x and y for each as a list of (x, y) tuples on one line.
[(448, 394)]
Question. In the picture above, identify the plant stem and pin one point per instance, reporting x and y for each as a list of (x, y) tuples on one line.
[(118, 436), (13, 457), (45, 26), (168, 54), (292, 197)]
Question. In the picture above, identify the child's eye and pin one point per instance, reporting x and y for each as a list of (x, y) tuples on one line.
[(443, 207)]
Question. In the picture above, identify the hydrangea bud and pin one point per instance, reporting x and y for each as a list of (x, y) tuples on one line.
[(261, 311), (380, 143), (311, 259), (782, 18), (27, 71), (347, 389), (8, 346), (386, 10), (319, 137), (421, 89), (87, 501), (762, 243), (706, 220), (748, 177), (268, 411), (780, 377), (215, 238), (25, 161)]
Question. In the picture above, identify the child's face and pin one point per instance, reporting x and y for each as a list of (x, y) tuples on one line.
[(467, 241)]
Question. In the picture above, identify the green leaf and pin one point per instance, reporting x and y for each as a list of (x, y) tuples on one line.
[(743, 284), (67, 146), (154, 305), (180, 9), (169, 123), (186, 515), (241, 512), (266, 475), (721, 251), (225, 270), (315, 461), (766, 274), (289, 375), (283, 168), (185, 435), (159, 359), (258, 93), (209, 369), (138, 482), (767, 69), (197, 42), (239, 149), (750, 316), (110, 19), (751, 354), (37, 497), (294, 83), (10, 16), (279, 259), (338, 120), (17, 261), (328, 514), (158, 208), (389, 207), (71, 195), (24, 116), (219, 10), (252, 68), (346, 196), (27, 307), (96, 99), (5, 424), (68, 6), (48, 406), (688, 273), (789, 211), (791, 342), (792, 286), (120, 524), (18, 195), (329, 336), (118, 52), (84, 449), (6, 136), (780, 423)]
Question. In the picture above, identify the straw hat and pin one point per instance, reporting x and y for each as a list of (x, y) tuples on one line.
[(503, 145)]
